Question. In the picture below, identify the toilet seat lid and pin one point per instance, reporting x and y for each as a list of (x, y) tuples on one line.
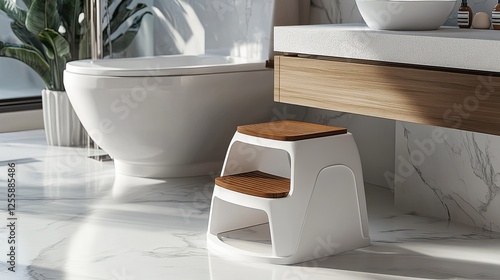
[(172, 65)]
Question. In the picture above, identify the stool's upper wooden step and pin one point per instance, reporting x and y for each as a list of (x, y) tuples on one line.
[(256, 183), (290, 130)]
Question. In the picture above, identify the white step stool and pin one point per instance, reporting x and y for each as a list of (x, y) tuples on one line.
[(289, 192)]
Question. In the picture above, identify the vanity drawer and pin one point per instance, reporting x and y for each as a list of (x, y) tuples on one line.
[(466, 100)]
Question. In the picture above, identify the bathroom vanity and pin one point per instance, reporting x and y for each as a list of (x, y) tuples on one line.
[(449, 77)]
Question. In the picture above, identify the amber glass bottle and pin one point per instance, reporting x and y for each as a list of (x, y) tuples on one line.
[(495, 16), (464, 18)]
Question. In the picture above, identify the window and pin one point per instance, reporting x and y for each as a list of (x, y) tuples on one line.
[(20, 89)]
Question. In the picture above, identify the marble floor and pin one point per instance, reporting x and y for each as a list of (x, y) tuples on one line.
[(76, 220)]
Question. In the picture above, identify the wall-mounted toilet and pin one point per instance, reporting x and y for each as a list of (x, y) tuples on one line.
[(173, 116)]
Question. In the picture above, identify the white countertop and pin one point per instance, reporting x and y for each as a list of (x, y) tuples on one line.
[(452, 47)]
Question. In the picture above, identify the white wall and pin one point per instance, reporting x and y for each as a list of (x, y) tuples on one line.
[(240, 28)]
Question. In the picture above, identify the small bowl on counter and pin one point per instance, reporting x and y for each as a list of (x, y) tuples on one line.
[(405, 14)]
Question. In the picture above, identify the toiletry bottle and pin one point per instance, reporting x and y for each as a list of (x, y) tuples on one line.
[(495, 16), (464, 18)]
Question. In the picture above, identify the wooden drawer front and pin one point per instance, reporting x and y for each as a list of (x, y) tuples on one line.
[(435, 97)]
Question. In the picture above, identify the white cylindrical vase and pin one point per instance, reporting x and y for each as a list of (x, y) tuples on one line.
[(62, 126)]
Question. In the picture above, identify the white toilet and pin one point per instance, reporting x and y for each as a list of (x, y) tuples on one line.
[(173, 116)]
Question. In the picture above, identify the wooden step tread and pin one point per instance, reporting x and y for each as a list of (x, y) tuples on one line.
[(256, 183), (290, 130)]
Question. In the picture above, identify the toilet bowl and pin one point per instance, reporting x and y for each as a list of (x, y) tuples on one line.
[(168, 116), (174, 116)]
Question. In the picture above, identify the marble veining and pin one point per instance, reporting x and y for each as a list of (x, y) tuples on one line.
[(332, 116), (482, 166), (334, 11), (456, 179), (77, 220)]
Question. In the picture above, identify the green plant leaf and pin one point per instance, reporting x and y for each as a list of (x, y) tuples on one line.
[(121, 42), (84, 46), (123, 13), (13, 11), (30, 57), (70, 12), (37, 29), (133, 22), (28, 3), (55, 44), (58, 52), (27, 37), (42, 14)]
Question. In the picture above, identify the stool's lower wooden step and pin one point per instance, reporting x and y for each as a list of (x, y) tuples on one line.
[(256, 183)]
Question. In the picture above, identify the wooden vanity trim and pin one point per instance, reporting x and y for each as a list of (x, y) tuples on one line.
[(454, 99), (277, 78)]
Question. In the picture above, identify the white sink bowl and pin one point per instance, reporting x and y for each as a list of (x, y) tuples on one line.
[(405, 14)]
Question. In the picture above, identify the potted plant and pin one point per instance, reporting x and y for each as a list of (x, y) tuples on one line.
[(53, 32)]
